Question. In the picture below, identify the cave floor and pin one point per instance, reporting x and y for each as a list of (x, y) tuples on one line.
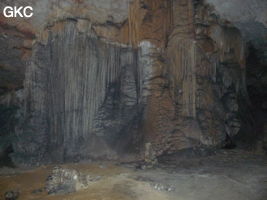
[(231, 174)]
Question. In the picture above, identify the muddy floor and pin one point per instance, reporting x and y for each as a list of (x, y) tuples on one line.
[(232, 174)]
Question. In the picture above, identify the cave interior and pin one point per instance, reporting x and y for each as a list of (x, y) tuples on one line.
[(134, 99)]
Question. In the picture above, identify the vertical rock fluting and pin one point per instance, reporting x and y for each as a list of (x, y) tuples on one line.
[(170, 75), (82, 97), (206, 61), (195, 89)]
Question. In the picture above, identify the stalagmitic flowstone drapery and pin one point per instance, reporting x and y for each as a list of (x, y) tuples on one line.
[(83, 97), (101, 84)]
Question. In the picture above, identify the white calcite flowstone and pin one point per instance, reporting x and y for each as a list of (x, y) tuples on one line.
[(85, 96)]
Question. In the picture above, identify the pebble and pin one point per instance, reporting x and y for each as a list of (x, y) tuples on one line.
[(11, 195), (161, 187)]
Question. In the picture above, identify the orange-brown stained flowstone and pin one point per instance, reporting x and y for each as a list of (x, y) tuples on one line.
[(147, 20), (150, 20), (181, 64), (19, 29), (23, 28)]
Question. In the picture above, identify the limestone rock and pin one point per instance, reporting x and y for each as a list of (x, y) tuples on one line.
[(104, 78), (11, 195), (150, 155), (64, 181)]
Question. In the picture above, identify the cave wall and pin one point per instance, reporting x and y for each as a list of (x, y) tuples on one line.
[(204, 76), (102, 79), (83, 95)]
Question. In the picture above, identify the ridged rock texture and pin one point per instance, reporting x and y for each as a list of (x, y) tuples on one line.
[(82, 94), (104, 78)]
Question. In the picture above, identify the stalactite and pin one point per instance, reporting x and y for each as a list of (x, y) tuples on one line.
[(199, 73), (231, 45), (75, 86), (162, 76), (183, 76), (182, 54)]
